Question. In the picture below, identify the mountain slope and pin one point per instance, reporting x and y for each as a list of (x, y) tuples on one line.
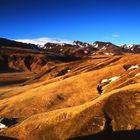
[(91, 117), (11, 43), (54, 96)]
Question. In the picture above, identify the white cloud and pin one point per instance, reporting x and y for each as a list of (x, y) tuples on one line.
[(44, 40), (116, 35)]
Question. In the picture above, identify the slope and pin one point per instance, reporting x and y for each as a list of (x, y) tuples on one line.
[(121, 106)]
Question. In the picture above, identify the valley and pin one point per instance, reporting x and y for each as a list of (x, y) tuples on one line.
[(52, 91)]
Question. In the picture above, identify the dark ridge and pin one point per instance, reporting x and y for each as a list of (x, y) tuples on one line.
[(9, 122), (101, 42), (28, 62), (4, 68), (107, 135), (15, 44), (64, 58), (7, 138), (12, 82)]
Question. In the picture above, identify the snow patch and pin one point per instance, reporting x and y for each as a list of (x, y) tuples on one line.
[(129, 46), (103, 48), (110, 79), (2, 126), (137, 74), (105, 81), (86, 52), (114, 78), (132, 49), (109, 53), (134, 67), (81, 46), (42, 41), (95, 45)]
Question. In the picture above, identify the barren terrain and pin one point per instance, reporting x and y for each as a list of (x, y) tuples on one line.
[(56, 98)]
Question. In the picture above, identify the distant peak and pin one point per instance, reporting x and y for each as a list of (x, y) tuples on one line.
[(42, 41)]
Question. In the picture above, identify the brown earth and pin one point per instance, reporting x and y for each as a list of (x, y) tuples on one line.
[(57, 99)]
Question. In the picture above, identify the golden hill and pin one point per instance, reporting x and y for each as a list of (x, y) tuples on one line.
[(62, 101)]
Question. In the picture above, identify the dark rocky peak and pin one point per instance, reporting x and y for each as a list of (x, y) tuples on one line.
[(81, 44), (109, 49), (14, 44), (74, 50), (50, 45), (135, 48), (100, 44)]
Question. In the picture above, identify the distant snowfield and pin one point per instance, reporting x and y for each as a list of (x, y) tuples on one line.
[(44, 40)]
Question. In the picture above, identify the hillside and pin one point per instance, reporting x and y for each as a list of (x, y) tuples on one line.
[(54, 97)]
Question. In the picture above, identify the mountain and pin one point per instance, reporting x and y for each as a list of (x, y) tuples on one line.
[(69, 49), (14, 44), (81, 44), (51, 92), (134, 48), (65, 94), (17, 56), (102, 47), (109, 48), (44, 40), (97, 47)]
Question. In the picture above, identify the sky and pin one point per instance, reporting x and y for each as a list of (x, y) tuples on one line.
[(116, 21)]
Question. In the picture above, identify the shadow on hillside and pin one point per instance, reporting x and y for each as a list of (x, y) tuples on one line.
[(9, 83), (121, 135), (64, 58), (7, 138), (9, 121), (109, 134)]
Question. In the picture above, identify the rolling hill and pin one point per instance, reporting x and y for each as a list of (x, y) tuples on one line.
[(53, 96)]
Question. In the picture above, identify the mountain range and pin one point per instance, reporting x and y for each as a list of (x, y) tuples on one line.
[(50, 91), (98, 46)]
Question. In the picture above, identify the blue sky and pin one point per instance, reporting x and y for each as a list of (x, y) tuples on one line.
[(117, 21)]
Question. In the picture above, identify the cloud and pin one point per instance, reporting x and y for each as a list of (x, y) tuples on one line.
[(115, 35), (44, 40)]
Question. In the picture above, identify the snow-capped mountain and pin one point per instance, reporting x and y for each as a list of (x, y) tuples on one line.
[(102, 47), (69, 48), (44, 40), (78, 48), (15, 44), (81, 44), (135, 48), (108, 48)]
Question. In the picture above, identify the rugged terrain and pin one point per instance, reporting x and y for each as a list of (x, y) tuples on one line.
[(52, 91)]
